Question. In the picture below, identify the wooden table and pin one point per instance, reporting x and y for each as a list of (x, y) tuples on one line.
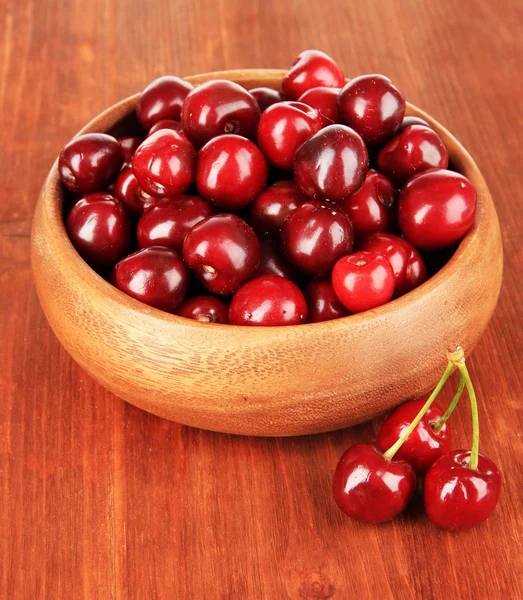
[(101, 500)]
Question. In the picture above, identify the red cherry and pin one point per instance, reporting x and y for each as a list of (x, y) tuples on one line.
[(223, 251), (370, 488), (217, 107), (129, 144), (127, 190), (162, 99), (436, 208), (165, 164), (415, 149), (231, 172), (315, 236), (168, 220), (411, 120), (332, 164), (311, 69), (272, 262), (266, 97), (373, 207), (206, 309), (423, 446), (325, 101), (363, 280), (408, 266), (156, 276), (99, 229), (166, 124), (282, 130), (274, 205), (373, 106), (89, 162), (270, 301), (458, 497), (322, 302)]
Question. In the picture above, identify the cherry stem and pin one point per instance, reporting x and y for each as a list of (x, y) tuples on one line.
[(451, 407), (389, 454)]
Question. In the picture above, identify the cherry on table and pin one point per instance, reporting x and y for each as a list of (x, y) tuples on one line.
[(127, 190), (129, 144), (322, 302), (311, 69), (205, 309), (272, 207), (325, 101), (162, 99), (266, 97), (166, 124), (273, 262)]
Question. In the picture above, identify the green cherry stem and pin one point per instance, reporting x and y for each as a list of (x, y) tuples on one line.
[(451, 407)]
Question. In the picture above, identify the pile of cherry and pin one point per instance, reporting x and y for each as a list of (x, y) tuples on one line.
[(194, 212)]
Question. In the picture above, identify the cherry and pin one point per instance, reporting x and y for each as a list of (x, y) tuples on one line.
[(373, 207), (272, 262), (411, 120), (270, 301), (89, 162), (162, 99), (217, 107), (127, 190), (373, 106), (283, 128), (457, 496), (424, 445), (325, 101), (311, 69), (206, 309), (436, 208), (166, 124), (274, 205), (99, 229), (415, 149), (223, 251), (168, 220), (322, 302), (408, 266), (315, 236), (363, 280), (165, 164), (370, 488), (156, 276), (331, 164), (231, 172), (129, 144), (266, 97)]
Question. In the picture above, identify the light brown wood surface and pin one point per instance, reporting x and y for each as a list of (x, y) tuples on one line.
[(101, 500)]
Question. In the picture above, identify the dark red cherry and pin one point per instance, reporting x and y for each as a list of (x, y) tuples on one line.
[(274, 205), (408, 266), (270, 301), (162, 99), (127, 190), (363, 281), (99, 229), (217, 107), (231, 172), (168, 220), (436, 208), (415, 149), (223, 251), (166, 124), (283, 128), (165, 164), (206, 309), (322, 302), (424, 445), (311, 69), (411, 120), (373, 207), (325, 101), (332, 164), (266, 97), (273, 262), (315, 236), (89, 162), (370, 488), (458, 497), (129, 144), (373, 106)]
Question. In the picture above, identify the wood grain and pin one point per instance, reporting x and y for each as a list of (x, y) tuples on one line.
[(101, 500)]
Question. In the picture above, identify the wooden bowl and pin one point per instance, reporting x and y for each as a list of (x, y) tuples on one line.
[(265, 381)]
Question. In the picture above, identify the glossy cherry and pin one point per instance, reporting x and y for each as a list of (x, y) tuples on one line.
[(162, 99), (370, 488), (415, 149), (373, 106), (436, 208), (205, 309), (322, 302), (311, 69), (269, 301), (458, 497), (411, 120), (315, 236), (223, 251), (217, 107), (274, 205), (127, 190), (325, 101), (273, 262), (89, 162), (332, 164), (266, 97), (283, 128), (363, 281), (166, 124), (168, 220), (231, 172), (165, 164), (99, 229), (129, 144)]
